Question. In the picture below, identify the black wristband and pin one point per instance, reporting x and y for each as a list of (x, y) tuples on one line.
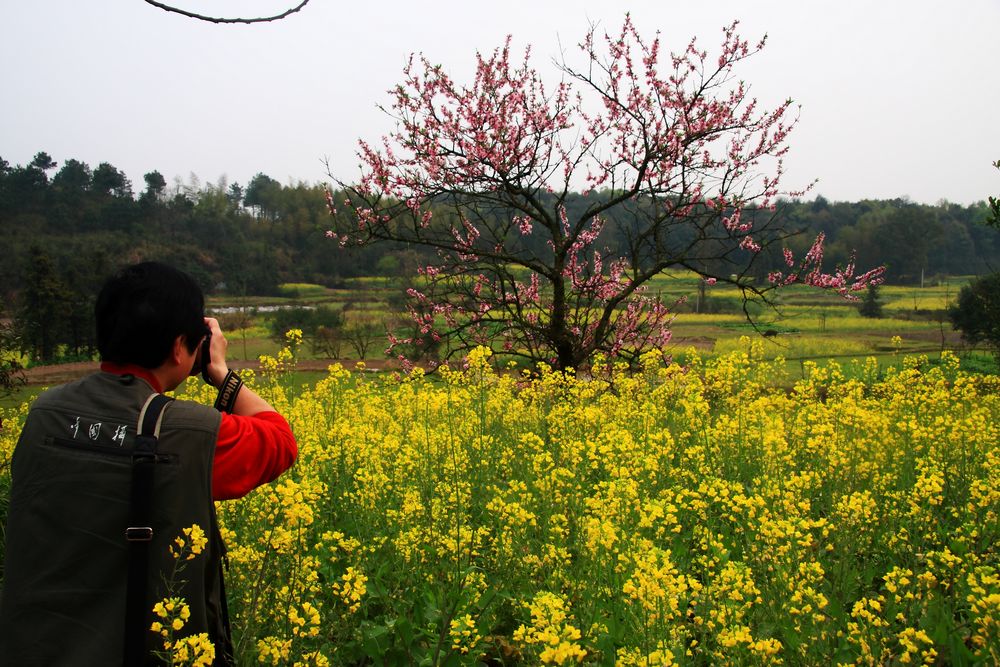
[(228, 391)]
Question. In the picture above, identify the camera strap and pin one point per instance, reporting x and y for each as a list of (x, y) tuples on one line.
[(139, 532)]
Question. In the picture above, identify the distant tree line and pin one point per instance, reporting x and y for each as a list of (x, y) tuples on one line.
[(66, 227)]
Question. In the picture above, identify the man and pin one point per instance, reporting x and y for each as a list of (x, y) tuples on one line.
[(95, 504)]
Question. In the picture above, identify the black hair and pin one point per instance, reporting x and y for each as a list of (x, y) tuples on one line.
[(142, 309)]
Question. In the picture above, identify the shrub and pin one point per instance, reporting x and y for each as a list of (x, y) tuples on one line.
[(977, 312), (307, 319)]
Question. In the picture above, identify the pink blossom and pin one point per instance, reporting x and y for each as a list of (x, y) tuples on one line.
[(523, 224), (747, 243)]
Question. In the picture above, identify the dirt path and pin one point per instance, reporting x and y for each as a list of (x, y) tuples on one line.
[(59, 373)]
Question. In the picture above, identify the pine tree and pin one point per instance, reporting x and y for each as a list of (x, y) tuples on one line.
[(870, 306)]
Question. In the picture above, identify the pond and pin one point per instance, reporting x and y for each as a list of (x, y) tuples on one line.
[(229, 310)]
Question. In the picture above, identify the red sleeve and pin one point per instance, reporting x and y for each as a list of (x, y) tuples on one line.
[(251, 451)]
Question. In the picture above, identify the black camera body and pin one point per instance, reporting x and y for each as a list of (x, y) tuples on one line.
[(204, 357)]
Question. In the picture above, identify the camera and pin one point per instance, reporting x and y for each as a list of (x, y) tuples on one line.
[(203, 358)]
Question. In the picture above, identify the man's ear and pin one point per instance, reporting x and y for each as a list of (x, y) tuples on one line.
[(177, 352)]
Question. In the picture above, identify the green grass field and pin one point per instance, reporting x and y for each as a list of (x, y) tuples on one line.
[(807, 325)]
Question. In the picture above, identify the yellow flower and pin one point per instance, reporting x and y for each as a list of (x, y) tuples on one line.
[(195, 650), (273, 651), (351, 588), (551, 631), (190, 543), (305, 623), (463, 633)]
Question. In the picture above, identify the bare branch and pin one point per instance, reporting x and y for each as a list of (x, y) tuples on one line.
[(214, 19)]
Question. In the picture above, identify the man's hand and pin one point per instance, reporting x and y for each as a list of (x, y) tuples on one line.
[(247, 401)]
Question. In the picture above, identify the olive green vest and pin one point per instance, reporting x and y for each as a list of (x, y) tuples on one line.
[(63, 600)]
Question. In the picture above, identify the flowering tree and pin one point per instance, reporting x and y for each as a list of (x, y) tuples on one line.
[(673, 162)]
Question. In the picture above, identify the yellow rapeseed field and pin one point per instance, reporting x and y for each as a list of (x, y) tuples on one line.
[(704, 514)]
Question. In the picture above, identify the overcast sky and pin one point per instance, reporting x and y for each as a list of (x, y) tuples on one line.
[(899, 97)]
